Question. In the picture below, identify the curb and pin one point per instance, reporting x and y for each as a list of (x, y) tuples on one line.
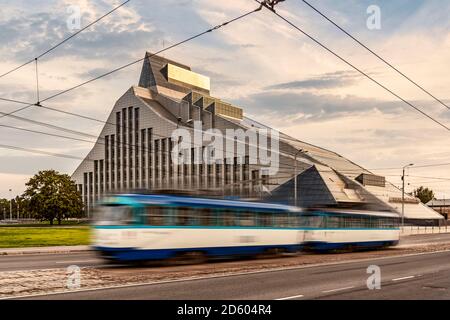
[(43, 250)]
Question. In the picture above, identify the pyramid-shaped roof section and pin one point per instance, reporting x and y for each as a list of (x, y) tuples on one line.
[(162, 74)]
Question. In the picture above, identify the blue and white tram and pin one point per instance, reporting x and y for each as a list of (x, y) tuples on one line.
[(333, 229), (135, 227)]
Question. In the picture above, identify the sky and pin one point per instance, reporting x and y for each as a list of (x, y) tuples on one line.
[(279, 76)]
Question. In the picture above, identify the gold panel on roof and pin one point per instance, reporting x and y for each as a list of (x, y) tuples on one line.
[(229, 110), (178, 74)]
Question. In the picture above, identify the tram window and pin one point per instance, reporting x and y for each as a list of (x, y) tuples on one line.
[(361, 222), (392, 223), (227, 218), (156, 216), (345, 222), (371, 222), (388, 223), (366, 222), (303, 221), (265, 220), (281, 220), (376, 222), (356, 222), (206, 217), (247, 219), (293, 220), (113, 215), (334, 222), (184, 217), (314, 221)]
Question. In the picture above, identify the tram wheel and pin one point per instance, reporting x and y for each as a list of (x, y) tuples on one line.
[(273, 253), (189, 257)]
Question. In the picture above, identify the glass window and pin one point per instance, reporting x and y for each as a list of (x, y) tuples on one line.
[(227, 218), (370, 222), (113, 215), (334, 222), (378, 222), (313, 221), (265, 220), (206, 217), (156, 216), (294, 220), (281, 220), (247, 219), (184, 217)]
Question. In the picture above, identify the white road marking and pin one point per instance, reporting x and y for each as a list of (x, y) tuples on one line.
[(339, 289), (291, 297), (77, 261), (403, 278)]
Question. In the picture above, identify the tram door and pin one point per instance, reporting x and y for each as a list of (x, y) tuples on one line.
[(301, 236)]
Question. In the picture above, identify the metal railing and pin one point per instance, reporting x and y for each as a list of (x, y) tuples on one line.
[(409, 230)]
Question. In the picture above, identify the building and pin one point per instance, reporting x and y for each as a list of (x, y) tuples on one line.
[(440, 205), (134, 151)]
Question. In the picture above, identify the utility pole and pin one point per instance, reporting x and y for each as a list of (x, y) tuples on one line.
[(10, 204), (295, 177), (403, 193)]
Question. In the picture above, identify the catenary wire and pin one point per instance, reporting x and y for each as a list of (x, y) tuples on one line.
[(353, 66), (376, 55)]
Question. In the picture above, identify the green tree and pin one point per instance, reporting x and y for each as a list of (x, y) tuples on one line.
[(424, 194), (20, 203), (52, 196), (4, 208)]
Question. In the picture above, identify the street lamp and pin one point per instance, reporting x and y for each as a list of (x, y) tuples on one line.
[(10, 204), (403, 192), (295, 175)]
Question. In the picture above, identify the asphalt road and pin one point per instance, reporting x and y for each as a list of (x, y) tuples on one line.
[(85, 259), (422, 276), (48, 261)]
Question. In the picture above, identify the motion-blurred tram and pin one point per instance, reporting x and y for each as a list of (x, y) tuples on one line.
[(334, 230), (138, 227)]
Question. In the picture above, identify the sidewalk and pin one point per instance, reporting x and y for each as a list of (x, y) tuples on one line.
[(33, 250)]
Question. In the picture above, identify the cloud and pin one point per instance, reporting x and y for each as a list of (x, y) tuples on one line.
[(260, 63), (25, 36), (313, 107), (325, 81)]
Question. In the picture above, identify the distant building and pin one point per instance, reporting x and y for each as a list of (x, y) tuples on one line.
[(440, 205), (134, 148)]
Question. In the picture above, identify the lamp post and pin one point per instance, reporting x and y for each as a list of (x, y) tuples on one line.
[(403, 192), (10, 204), (295, 176)]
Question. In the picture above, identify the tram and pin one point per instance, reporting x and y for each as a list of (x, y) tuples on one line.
[(334, 230), (134, 227), (138, 227)]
